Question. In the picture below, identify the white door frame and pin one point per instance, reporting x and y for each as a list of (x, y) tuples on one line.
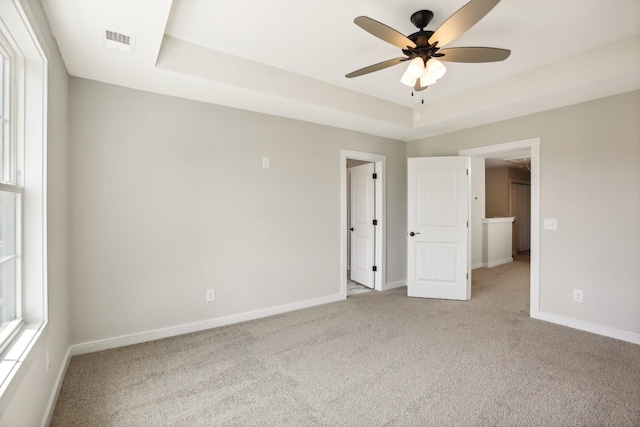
[(381, 210), (534, 145)]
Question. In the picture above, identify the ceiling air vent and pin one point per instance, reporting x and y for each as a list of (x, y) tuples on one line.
[(118, 41), (117, 37)]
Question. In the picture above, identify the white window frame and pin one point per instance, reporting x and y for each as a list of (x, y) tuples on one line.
[(11, 171), (29, 133)]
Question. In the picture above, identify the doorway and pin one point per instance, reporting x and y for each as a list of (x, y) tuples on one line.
[(378, 162), (533, 145), (361, 219)]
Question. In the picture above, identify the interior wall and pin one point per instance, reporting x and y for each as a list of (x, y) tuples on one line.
[(498, 182), (169, 198), (28, 395), (497, 191), (522, 176), (590, 182)]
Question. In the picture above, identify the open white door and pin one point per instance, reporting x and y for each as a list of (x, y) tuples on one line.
[(362, 228), (438, 236)]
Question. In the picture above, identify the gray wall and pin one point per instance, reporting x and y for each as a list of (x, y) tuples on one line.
[(169, 198), (590, 182), (498, 182), (497, 191), (27, 397)]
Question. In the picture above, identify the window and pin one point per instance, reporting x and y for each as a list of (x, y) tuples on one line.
[(10, 204), (23, 195)]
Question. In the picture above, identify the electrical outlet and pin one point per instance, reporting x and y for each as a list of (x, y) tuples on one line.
[(550, 224), (211, 295), (577, 295), (265, 162), (48, 360)]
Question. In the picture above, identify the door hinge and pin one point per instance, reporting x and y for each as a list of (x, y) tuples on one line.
[(467, 224), (375, 222), (375, 268), (375, 176), (467, 171), (467, 276)]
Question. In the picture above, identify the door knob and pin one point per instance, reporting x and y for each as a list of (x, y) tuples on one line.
[(413, 234), (351, 229)]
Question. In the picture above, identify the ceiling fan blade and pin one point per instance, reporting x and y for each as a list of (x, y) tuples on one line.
[(466, 17), (375, 67), (474, 54), (383, 32)]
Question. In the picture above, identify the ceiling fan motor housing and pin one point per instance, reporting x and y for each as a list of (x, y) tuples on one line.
[(421, 18), (423, 49)]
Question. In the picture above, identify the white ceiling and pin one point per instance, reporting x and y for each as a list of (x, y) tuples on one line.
[(289, 57)]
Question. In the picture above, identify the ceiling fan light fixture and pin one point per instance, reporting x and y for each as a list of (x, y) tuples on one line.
[(426, 79), (407, 80), (415, 68), (435, 69)]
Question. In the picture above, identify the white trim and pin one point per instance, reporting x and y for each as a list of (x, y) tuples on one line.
[(606, 331), (11, 188), (16, 356), (499, 262), (534, 145), (172, 331), (10, 333), (57, 386), (500, 148), (498, 220), (381, 214), (394, 285)]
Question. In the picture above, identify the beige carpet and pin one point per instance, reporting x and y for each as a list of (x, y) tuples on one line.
[(374, 359)]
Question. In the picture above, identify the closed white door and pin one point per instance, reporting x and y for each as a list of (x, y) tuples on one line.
[(521, 210), (362, 228), (438, 220)]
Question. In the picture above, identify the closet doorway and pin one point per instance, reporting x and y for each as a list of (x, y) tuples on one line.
[(362, 202)]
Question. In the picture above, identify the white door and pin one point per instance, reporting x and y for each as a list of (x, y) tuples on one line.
[(362, 228), (438, 235), (521, 210)]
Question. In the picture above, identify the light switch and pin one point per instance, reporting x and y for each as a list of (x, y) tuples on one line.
[(265, 162), (550, 224)]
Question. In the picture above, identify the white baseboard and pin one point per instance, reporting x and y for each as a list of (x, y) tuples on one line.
[(394, 285), (477, 265), (499, 262), (51, 404), (594, 328), (121, 341)]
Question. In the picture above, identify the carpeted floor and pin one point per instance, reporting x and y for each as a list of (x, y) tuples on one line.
[(375, 359)]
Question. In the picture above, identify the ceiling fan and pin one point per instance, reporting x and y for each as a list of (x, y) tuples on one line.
[(423, 47)]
